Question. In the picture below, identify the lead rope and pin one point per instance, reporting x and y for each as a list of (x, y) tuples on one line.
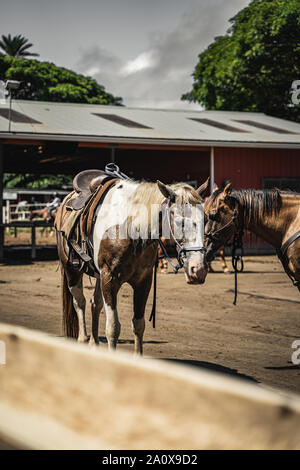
[(175, 267), (153, 311), (236, 259)]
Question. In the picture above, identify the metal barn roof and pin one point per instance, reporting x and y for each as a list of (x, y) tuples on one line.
[(95, 123)]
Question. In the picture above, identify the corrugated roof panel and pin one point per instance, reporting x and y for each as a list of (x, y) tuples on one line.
[(218, 125), (121, 120), (265, 127), (15, 116)]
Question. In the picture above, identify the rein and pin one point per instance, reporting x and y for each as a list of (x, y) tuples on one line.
[(237, 244)]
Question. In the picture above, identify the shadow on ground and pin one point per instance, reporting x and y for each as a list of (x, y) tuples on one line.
[(213, 367)]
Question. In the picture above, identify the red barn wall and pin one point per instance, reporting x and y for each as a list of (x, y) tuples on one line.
[(246, 167)]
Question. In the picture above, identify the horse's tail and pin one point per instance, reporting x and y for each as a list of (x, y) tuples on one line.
[(70, 319)]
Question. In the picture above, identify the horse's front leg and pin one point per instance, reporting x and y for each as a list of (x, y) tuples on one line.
[(79, 305), (96, 305), (223, 261), (110, 288), (141, 292)]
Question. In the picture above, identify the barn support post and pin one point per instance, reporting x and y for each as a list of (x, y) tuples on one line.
[(1, 203), (212, 169)]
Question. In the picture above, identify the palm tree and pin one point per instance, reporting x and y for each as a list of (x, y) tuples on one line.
[(16, 46)]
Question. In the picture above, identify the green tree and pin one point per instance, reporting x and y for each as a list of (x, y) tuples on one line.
[(253, 66), (16, 46), (30, 181), (44, 81)]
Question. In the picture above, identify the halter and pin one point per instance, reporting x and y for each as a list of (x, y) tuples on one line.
[(215, 236), (181, 249)]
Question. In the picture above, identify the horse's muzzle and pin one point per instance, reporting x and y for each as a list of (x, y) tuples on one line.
[(196, 274)]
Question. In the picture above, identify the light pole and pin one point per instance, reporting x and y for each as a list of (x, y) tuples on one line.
[(11, 85)]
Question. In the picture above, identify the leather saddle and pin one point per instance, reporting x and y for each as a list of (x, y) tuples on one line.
[(84, 184)]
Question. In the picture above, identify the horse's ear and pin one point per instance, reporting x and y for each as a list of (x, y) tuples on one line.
[(227, 190), (201, 190), (166, 191)]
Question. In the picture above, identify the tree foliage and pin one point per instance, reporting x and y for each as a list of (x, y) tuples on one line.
[(253, 66), (44, 81), (30, 181), (16, 46)]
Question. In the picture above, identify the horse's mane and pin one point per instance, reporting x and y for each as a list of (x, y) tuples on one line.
[(258, 203), (255, 202), (149, 193), (149, 196)]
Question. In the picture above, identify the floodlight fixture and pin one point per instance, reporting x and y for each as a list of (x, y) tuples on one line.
[(12, 84)]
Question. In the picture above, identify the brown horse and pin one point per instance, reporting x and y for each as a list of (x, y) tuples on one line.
[(272, 215), (45, 214), (124, 242)]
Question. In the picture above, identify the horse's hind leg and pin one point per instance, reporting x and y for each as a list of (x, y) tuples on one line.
[(141, 292), (96, 305), (79, 305)]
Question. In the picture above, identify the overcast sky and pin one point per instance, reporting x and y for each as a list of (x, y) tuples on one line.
[(142, 50)]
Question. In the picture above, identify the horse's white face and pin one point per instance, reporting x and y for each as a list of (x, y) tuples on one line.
[(187, 222)]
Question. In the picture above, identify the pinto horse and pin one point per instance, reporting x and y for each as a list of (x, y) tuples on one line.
[(272, 215), (125, 250)]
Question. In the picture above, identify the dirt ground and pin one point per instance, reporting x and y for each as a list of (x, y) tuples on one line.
[(196, 325), (44, 236)]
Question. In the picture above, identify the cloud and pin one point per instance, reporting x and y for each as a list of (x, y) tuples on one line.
[(143, 61), (158, 76)]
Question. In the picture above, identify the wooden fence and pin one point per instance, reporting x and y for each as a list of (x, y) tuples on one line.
[(56, 394)]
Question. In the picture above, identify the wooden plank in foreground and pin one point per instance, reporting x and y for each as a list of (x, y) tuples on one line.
[(56, 394)]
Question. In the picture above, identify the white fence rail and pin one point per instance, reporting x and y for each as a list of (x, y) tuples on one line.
[(15, 212)]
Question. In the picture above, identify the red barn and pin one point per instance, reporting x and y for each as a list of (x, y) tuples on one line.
[(251, 149)]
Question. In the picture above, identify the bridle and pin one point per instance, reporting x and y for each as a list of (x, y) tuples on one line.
[(216, 235), (182, 250)]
